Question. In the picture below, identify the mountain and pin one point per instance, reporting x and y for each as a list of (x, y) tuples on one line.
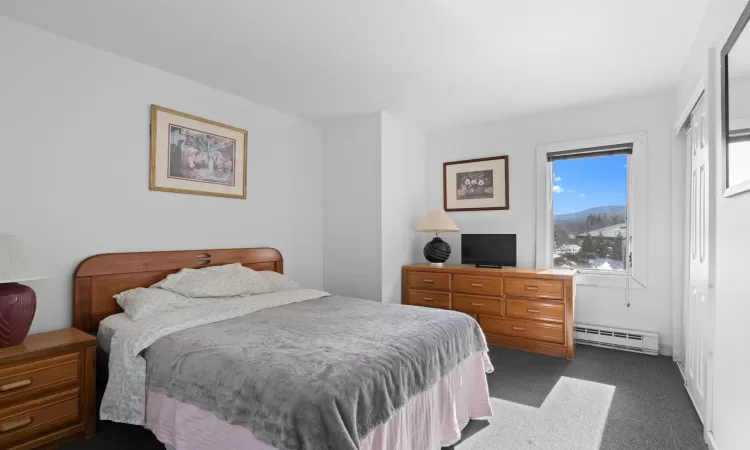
[(580, 216)]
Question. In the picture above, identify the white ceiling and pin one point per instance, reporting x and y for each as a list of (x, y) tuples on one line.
[(439, 63)]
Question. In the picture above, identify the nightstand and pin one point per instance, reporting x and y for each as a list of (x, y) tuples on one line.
[(47, 389)]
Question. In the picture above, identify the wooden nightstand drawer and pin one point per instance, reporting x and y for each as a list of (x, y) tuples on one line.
[(29, 378), (535, 310), (47, 389), (475, 304), (550, 332), (432, 299), (430, 280), (534, 288), (470, 284), (38, 416)]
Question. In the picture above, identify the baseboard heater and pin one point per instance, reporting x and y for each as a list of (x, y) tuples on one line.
[(617, 338)]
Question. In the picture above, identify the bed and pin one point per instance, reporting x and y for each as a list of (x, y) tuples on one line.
[(300, 369)]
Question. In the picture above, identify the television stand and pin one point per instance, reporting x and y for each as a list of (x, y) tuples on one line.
[(488, 266)]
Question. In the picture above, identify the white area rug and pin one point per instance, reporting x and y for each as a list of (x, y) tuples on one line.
[(572, 417)]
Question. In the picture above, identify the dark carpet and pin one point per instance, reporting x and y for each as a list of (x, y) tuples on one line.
[(650, 408)]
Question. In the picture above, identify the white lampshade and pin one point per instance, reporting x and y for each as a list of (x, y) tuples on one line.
[(16, 261), (437, 220)]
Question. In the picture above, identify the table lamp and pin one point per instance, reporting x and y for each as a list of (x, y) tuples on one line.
[(17, 301), (437, 250)]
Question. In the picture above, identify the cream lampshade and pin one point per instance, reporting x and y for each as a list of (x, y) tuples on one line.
[(17, 301), (437, 250)]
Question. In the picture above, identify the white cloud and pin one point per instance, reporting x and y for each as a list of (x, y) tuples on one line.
[(582, 195), (557, 189), (557, 178), (570, 190)]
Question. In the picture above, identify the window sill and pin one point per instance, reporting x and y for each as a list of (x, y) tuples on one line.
[(611, 280)]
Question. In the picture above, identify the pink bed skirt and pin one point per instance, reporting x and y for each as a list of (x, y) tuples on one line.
[(429, 420)]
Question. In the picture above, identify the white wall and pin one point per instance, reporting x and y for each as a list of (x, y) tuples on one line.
[(75, 166), (403, 200), (731, 401), (650, 309), (352, 206), (373, 197)]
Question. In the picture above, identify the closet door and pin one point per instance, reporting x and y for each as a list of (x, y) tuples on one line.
[(697, 311)]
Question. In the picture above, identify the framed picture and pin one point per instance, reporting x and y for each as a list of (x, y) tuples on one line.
[(476, 184), (191, 155)]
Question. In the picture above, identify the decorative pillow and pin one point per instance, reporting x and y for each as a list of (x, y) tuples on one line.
[(279, 282), (219, 281), (140, 303)]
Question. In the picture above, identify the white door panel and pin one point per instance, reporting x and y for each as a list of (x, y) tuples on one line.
[(697, 312)]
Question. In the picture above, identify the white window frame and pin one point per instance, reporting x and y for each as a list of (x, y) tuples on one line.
[(637, 209)]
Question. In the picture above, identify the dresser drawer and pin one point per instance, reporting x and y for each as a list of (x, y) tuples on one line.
[(475, 304), (534, 288), (541, 331), (535, 310), (25, 379), (470, 284), (429, 280), (433, 299), (37, 416)]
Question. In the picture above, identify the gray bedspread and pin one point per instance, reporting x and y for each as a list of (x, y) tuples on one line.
[(319, 374)]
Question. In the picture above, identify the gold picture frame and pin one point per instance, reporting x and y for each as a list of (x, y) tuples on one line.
[(193, 155)]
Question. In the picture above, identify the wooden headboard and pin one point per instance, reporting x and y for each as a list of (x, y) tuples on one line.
[(99, 277)]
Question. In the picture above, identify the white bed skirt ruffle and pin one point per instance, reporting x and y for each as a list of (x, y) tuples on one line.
[(430, 420)]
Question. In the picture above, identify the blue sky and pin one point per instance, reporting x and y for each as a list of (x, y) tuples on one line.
[(585, 183)]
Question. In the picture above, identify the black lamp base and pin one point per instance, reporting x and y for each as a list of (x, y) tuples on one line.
[(437, 251)]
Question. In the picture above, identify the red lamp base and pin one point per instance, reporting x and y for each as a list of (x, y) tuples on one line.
[(17, 308)]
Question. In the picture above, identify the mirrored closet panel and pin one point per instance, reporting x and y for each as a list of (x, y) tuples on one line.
[(736, 107)]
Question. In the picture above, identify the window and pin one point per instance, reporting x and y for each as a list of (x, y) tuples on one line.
[(590, 209), (575, 176)]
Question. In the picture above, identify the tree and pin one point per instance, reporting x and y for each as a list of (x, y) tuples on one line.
[(590, 219), (617, 250), (600, 246), (587, 246)]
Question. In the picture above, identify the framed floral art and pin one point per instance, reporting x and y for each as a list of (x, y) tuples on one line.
[(192, 155), (476, 184)]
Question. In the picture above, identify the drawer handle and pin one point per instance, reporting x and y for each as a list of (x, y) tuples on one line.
[(10, 426), (477, 284), (535, 311), (15, 385), (532, 288), (428, 281), (477, 305), (519, 328), (428, 299)]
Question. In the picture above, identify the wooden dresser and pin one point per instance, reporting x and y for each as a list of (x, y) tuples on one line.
[(526, 309), (47, 389)]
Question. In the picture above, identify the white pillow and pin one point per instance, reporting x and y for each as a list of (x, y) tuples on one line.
[(219, 281), (279, 282), (140, 303)]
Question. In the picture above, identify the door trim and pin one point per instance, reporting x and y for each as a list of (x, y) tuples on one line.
[(710, 439)]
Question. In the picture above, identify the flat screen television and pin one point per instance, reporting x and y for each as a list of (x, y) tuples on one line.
[(488, 250)]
